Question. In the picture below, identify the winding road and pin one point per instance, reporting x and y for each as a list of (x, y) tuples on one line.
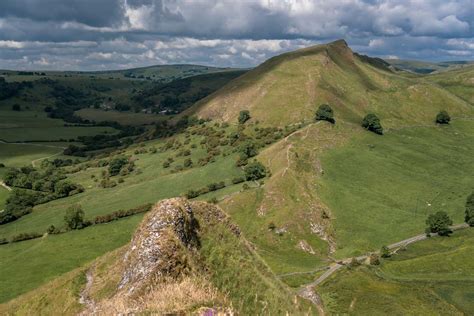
[(307, 291)]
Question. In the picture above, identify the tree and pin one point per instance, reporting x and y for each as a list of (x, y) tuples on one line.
[(469, 218), (372, 123), (116, 165), (74, 217), (385, 252), (325, 113), (254, 171), (244, 116), (443, 117), (248, 149), (16, 107), (439, 223)]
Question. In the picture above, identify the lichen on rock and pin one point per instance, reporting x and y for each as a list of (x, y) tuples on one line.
[(161, 245)]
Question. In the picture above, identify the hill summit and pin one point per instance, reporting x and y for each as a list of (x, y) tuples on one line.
[(287, 89)]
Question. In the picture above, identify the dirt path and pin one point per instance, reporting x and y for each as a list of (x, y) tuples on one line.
[(305, 291), (84, 297), (39, 159)]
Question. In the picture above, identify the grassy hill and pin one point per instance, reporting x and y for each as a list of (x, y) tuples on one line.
[(287, 88), (331, 191)]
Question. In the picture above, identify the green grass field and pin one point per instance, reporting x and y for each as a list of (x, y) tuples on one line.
[(380, 189), (26, 265), (18, 155), (124, 118), (36, 126), (432, 277)]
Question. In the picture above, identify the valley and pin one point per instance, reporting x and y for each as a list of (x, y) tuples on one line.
[(278, 196)]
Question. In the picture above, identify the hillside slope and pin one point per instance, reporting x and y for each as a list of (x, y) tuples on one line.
[(184, 257), (287, 88)]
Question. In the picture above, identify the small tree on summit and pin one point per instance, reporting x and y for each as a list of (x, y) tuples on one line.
[(439, 223), (244, 116), (443, 118), (372, 123), (469, 218), (325, 113)]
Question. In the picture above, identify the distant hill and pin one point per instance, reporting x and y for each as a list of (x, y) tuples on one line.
[(424, 67)]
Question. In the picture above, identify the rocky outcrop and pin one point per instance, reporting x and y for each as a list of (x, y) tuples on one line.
[(161, 245)]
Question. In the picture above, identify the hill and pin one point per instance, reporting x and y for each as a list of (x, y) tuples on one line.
[(286, 88), (184, 257), (321, 192), (423, 67)]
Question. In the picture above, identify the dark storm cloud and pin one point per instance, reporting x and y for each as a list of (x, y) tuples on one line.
[(97, 34)]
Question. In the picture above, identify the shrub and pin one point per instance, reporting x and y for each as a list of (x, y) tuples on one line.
[(237, 180), (166, 164), (244, 116), (192, 194), (25, 236), (116, 165), (469, 214), (255, 171), (443, 117), (74, 217), (374, 259), (439, 223), (248, 149), (385, 252), (16, 107), (325, 113), (52, 230), (187, 163), (372, 123)]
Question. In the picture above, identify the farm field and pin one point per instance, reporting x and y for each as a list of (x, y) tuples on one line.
[(21, 126), (28, 264), (124, 118)]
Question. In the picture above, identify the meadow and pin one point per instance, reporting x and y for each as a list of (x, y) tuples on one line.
[(124, 118), (380, 189), (431, 277)]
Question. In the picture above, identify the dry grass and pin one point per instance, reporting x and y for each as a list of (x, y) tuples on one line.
[(184, 296)]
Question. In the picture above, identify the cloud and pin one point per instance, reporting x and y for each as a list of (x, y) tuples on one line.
[(92, 34)]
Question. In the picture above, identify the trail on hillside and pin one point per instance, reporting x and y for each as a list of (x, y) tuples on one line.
[(33, 162), (43, 158), (309, 288), (84, 296)]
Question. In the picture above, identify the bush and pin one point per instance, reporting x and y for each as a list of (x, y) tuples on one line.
[(244, 116), (372, 123), (248, 149), (255, 171), (439, 223), (74, 217), (192, 194), (374, 259), (166, 164), (325, 113), (443, 117), (52, 230), (187, 163), (121, 213), (237, 180), (25, 236), (385, 252), (16, 107), (469, 214), (116, 165)]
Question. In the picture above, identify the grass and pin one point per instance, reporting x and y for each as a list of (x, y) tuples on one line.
[(26, 265), (434, 276), (124, 118), (18, 155), (380, 189), (36, 126)]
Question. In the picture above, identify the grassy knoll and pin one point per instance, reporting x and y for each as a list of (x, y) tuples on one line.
[(36, 126), (433, 277), (26, 265), (380, 189)]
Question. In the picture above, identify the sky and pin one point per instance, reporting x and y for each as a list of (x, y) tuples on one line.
[(119, 34)]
